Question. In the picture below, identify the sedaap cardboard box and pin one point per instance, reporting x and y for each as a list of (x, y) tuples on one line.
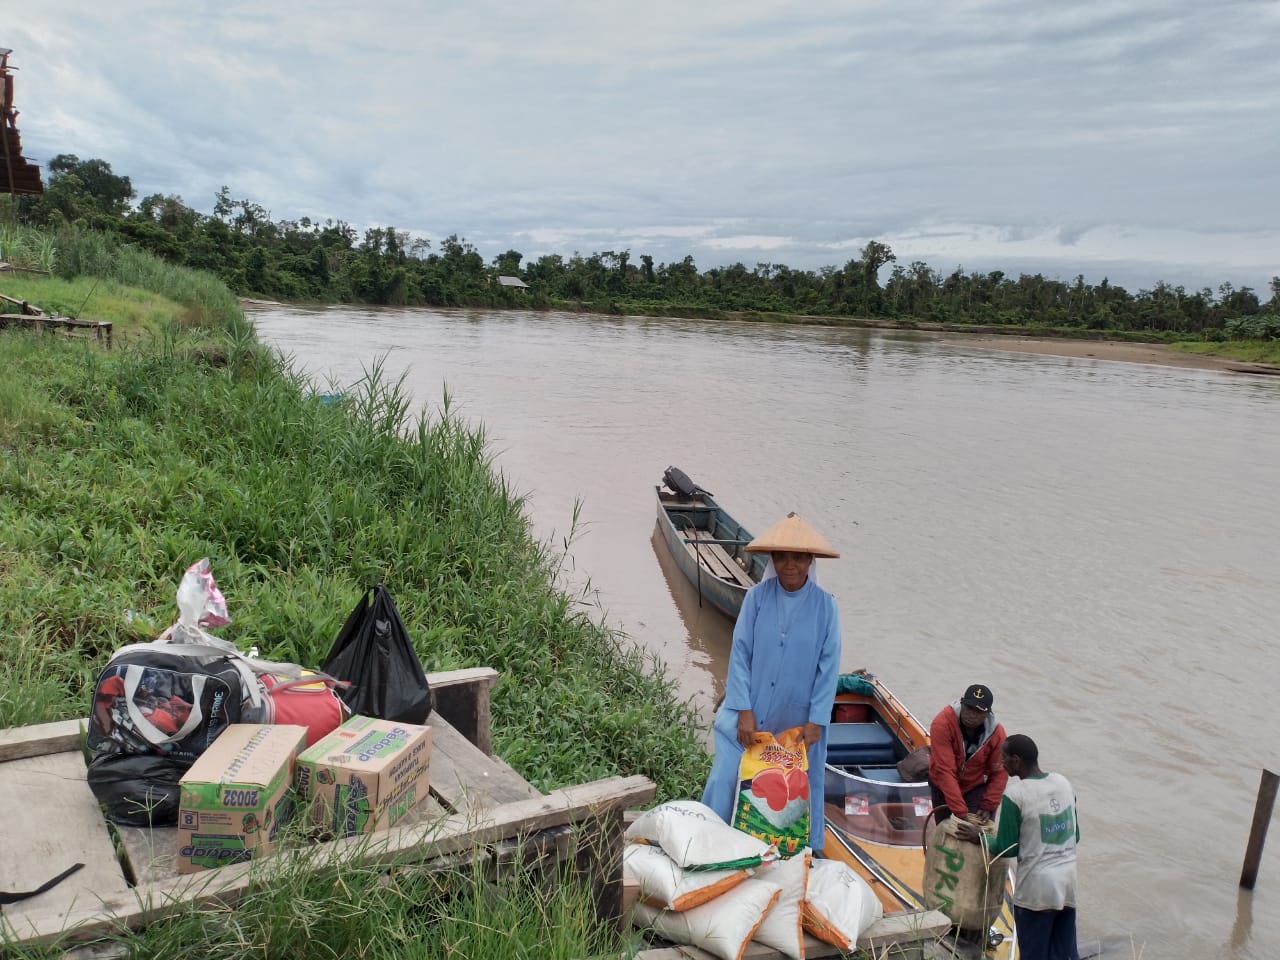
[(237, 795), (365, 775)]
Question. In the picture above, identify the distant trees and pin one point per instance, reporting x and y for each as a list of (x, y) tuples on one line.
[(326, 260)]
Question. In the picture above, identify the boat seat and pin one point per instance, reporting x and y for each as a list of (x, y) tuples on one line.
[(860, 743)]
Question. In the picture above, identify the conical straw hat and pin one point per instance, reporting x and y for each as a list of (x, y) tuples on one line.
[(794, 534)]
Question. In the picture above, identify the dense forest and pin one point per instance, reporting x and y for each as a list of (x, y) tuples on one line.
[(313, 260)]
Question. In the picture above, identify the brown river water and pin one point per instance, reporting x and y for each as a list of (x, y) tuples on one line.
[(1097, 541)]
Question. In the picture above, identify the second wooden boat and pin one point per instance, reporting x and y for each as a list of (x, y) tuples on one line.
[(708, 545)]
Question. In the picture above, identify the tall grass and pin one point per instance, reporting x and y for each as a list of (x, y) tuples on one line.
[(119, 469), (133, 464), (73, 252), (27, 248)]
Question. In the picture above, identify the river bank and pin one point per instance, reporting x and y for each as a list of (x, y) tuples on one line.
[(1149, 353)]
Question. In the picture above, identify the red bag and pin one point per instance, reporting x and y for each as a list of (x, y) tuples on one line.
[(310, 703)]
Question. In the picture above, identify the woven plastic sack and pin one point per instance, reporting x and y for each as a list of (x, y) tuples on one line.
[(667, 886), (693, 836), (839, 905), (723, 927), (783, 928)]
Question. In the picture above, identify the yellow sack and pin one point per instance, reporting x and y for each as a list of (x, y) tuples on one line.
[(773, 792)]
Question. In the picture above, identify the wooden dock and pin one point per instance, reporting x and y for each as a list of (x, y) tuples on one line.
[(478, 807)]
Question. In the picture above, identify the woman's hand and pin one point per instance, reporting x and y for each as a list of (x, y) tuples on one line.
[(746, 727), (811, 734)]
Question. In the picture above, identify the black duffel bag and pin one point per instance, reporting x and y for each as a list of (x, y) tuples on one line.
[(155, 710)]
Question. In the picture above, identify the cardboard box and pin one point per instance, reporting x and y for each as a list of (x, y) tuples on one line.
[(365, 775), (237, 795)]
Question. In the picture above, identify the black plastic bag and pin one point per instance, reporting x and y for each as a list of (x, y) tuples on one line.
[(374, 654)]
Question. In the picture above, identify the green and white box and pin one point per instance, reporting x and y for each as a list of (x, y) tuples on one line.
[(365, 776), (237, 795)]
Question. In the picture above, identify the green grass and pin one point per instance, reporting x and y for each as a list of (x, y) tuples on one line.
[(1248, 351), (131, 311), (85, 256), (394, 911), (120, 468), (125, 467)]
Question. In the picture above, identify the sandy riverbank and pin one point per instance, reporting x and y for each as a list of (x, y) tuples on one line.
[(1114, 350)]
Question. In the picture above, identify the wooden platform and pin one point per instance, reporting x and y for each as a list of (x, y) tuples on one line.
[(478, 805)]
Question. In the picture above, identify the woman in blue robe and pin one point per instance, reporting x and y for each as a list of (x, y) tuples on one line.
[(783, 666)]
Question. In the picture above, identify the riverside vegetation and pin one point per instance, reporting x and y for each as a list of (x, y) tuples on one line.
[(119, 468), (327, 261)]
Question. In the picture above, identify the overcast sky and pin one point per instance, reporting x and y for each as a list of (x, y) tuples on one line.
[(1135, 139)]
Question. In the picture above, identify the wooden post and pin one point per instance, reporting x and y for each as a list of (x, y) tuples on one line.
[(599, 865), (1258, 833)]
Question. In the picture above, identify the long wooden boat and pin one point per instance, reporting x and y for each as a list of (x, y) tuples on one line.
[(876, 822), (707, 543)]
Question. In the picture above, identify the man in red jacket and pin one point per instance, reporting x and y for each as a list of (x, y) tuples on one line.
[(966, 774)]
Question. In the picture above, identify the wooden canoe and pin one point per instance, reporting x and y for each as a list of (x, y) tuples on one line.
[(708, 547)]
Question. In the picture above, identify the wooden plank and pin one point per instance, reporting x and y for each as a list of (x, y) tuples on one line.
[(910, 926), (40, 739), (728, 567), (813, 949), (735, 571), (466, 780), (153, 901), (150, 853), (462, 698), (51, 822)]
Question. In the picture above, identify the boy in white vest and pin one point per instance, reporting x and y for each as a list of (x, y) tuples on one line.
[(1037, 825)]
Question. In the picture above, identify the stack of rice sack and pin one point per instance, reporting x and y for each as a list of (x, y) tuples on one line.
[(704, 883)]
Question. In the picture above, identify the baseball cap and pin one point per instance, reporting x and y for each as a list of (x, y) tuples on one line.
[(979, 697)]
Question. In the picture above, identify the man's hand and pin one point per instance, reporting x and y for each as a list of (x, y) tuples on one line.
[(811, 734), (969, 831), (746, 727), (980, 816)]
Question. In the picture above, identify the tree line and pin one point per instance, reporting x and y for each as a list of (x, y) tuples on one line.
[(329, 261)]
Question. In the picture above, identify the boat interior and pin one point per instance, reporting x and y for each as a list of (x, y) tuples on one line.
[(865, 794)]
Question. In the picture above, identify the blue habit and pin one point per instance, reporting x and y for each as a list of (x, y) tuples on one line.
[(783, 667)]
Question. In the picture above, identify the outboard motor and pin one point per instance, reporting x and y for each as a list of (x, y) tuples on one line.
[(679, 483)]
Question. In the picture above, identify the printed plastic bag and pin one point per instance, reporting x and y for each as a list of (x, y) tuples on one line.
[(157, 706), (374, 653), (201, 606), (773, 799)]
